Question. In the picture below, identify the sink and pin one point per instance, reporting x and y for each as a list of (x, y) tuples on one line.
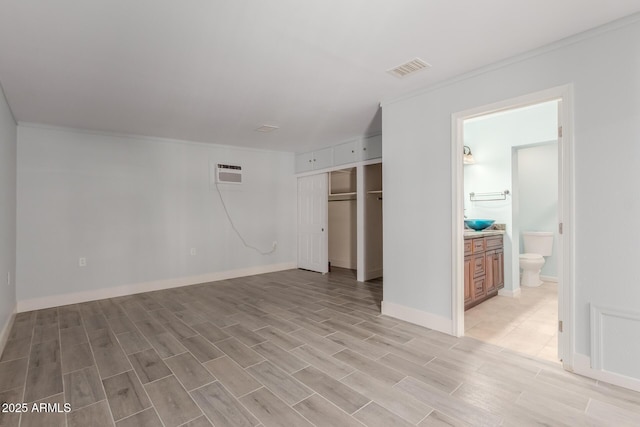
[(478, 224)]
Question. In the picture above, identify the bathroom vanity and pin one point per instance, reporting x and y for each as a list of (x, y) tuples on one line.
[(483, 266)]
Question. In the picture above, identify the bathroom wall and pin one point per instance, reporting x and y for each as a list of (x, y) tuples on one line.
[(538, 196), (491, 139)]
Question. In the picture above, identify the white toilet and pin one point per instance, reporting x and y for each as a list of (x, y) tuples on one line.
[(537, 245)]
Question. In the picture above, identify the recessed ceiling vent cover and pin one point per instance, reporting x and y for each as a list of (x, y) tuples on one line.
[(407, 68), (267, 128)]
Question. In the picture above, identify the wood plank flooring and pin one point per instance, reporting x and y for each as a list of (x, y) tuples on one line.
[(280, 349)]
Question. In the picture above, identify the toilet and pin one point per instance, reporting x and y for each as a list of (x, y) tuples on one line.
[(537, 245)]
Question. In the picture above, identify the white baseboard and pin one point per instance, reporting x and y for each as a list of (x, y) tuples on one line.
[(582, 366), (418, 317), (509, 293), (4, 333), (549, 279), (118, 291)]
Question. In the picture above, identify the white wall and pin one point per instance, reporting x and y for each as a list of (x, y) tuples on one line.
[(7, 215), (134, 207), (603, 69), (538, 197), (491, 139)]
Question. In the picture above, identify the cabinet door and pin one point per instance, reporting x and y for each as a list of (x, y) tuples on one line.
[(498, 269), (468, 281), (490, 263), (345, 153), (371, 148), (323, 158), (304, 162)]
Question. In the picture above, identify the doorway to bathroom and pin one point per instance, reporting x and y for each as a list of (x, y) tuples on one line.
[(516, 178)]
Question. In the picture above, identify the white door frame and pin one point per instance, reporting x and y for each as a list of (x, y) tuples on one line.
[(566, 211)]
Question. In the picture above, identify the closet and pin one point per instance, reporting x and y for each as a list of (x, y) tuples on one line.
[(373, 221), (342, 219)]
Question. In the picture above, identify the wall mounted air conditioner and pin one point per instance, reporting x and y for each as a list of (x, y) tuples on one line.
[(228, 174)]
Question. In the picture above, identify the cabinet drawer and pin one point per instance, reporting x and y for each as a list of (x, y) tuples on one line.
[(478, 265), (467, 247), (478, 288), (494, 242), (478, 245)]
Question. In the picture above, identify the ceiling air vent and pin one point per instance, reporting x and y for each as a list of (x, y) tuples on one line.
[(407, 68), (267, 128)]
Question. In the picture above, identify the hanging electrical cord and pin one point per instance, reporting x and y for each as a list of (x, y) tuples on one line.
[(233, 226)]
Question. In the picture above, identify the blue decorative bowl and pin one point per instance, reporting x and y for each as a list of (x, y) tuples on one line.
[(478, 224)]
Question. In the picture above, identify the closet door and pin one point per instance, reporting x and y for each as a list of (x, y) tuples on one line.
[(313, 194)]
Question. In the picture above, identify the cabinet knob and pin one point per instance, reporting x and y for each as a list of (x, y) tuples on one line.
[(364, 149), (309, 160), (314, 160), (353, 151)]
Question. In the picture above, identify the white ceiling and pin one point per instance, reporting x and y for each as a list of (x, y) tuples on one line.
[(214, 70)]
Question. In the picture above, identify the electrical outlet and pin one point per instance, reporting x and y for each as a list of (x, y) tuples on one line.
[(193, 251), (82, 262)]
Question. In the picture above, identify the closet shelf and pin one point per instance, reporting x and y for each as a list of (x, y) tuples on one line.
[(374, 192), (353, 193)]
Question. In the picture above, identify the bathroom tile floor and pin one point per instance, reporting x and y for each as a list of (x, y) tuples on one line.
[(291, 348), (526, 324)]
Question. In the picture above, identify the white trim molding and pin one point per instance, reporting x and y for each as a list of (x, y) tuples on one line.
[(417, 317), (136, 288), (552, 279), (566, 210), (510, 293), (599, 349), (6, 329), (582, 366)]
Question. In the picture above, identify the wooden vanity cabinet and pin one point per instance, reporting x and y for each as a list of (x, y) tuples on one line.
[(483, 269)]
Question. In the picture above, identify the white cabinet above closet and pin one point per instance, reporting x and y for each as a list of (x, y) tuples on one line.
[(371, 148), (346, 153), (313, 160), (358, 150)]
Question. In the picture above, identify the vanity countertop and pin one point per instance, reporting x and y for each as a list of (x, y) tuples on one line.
[(470, 234)]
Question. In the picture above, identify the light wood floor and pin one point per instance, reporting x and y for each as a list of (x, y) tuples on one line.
[(282, 349), (527, 324)]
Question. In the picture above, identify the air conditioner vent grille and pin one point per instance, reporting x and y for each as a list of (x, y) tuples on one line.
[(410, 67), (228, 174)]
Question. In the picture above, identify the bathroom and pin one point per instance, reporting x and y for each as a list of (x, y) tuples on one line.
[(515, 164)]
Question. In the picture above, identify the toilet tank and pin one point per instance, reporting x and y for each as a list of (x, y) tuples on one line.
[(538, 242)]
